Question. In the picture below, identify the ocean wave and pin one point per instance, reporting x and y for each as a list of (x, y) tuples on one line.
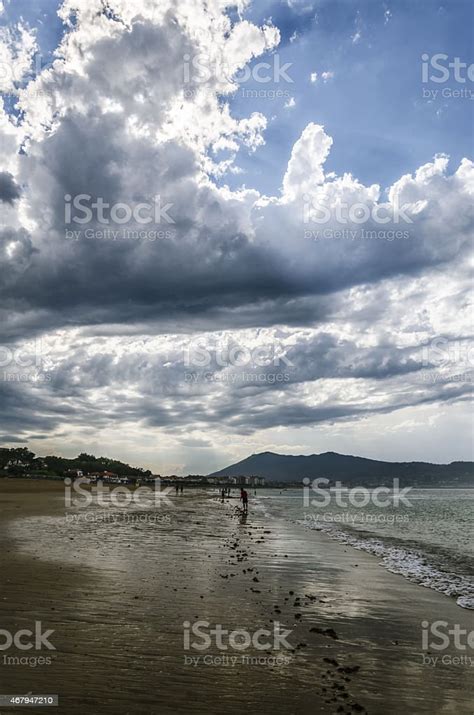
[(409, 563)]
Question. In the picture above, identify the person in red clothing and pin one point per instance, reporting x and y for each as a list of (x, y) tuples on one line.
[(244, 497)]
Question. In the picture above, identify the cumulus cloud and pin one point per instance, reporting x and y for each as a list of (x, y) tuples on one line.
[(121, 116), (17, 48), (305, 167)]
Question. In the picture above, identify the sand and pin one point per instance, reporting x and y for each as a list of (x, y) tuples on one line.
[(117, 594)]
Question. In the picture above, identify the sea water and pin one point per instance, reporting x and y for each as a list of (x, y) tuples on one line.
[(429, 539)]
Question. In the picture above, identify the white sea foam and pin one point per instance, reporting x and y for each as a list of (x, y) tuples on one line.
[(406, 562)]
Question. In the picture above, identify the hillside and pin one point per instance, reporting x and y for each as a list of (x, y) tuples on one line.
[(349, 469), (20, 461)]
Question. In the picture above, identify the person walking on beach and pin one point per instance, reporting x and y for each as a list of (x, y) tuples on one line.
[(245, 499)]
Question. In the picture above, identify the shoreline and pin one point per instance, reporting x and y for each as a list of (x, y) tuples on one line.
[(117, 596), (418, 570)]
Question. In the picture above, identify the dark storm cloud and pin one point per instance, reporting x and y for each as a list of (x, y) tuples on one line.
[(117, 128), (9, 190), (218, 261), (27, 408), (94, 389)]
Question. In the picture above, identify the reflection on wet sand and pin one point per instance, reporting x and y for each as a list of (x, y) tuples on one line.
[(117, 590)]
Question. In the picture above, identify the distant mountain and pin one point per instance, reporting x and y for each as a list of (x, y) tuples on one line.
[(349, 469)]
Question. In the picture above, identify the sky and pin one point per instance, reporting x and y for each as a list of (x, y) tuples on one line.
[(228, 229)]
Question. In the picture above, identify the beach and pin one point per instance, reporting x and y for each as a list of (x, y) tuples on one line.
[(123, 589)]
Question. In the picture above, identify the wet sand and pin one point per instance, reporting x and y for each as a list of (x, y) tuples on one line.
[(116, 594)]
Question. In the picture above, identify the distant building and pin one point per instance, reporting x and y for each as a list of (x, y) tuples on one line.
[(109, 475), (73, 473), (105, 476), (243, 480)]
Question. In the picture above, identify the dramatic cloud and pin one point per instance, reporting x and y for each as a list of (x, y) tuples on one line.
[(121, 245)]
